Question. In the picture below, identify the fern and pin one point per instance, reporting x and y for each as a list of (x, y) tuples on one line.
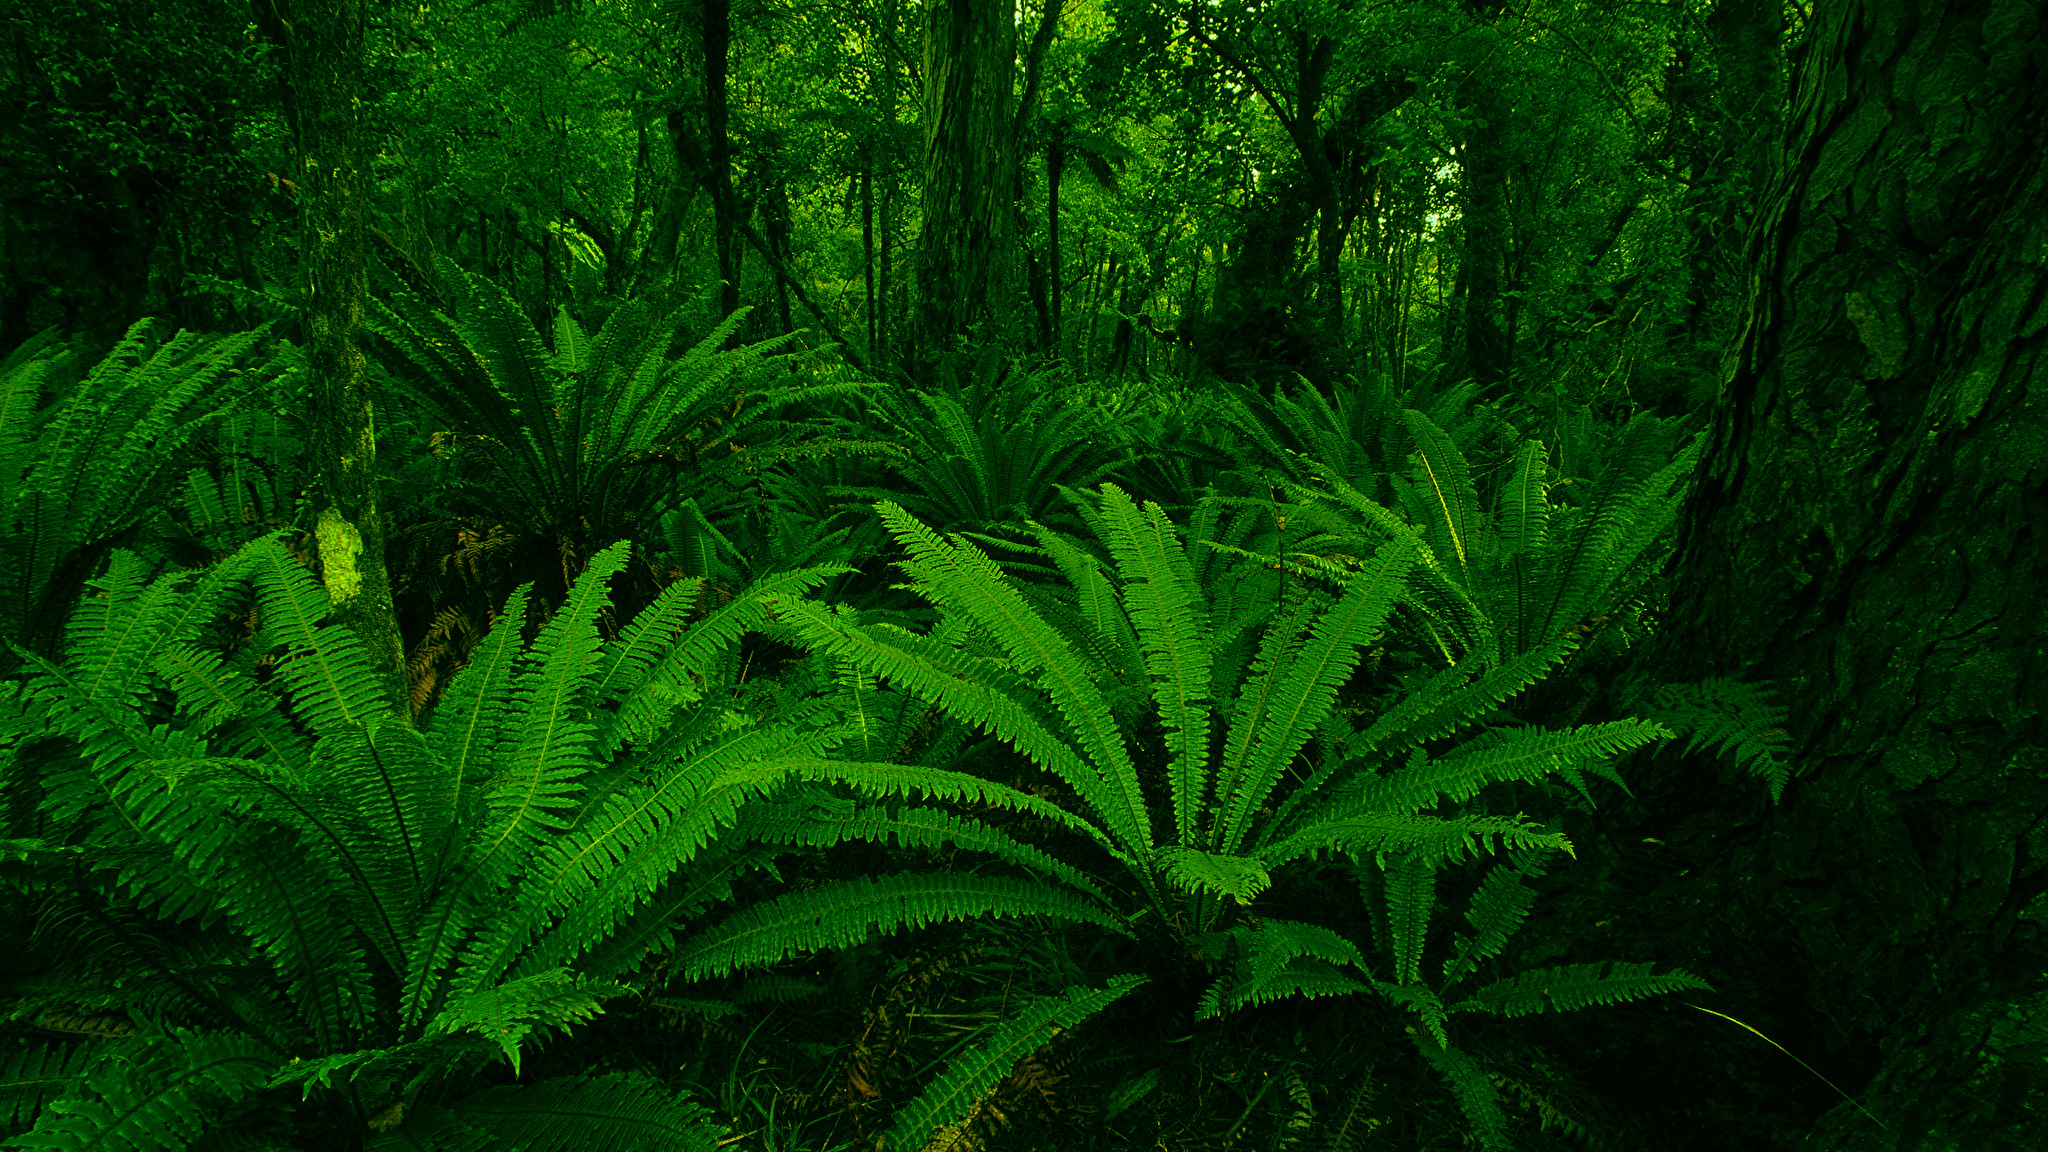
[(1733, 717), (85, 473), (494, 861), (993, 452), (1506, 585), (969, 1076), (587, 444)]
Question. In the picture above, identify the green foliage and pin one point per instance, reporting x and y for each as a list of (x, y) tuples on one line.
[(1238, 692), (419, 895), (85, 473), (1274, 958), (968, 1077), (1502, 584), (993, 450), (597, 440), (1734, 717)]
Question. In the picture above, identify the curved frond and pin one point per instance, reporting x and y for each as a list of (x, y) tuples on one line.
[(969, 1076), (844, 914), (1733, 717), (1411, 897), (1241, 878), (1502, 754), (155, 1092), (961, 577), (1166, 610), (623, 1112), (1569, 986), (507, 1013)]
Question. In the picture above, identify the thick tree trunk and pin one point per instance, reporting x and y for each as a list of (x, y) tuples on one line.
[(965, 245), (1481, 347), (1870, 533), (326, 40)]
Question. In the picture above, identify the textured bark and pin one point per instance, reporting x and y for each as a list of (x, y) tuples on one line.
[(716, 29), (1868, 533), (326, 73), (1481, 347), (965, 245)]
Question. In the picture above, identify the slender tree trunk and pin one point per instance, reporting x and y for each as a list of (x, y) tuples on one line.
[(717, 42), (326, 55), (1869, 534)]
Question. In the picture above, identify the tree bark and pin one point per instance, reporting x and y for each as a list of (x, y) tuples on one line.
[(326, 60), (965, 244), (1869, 532)]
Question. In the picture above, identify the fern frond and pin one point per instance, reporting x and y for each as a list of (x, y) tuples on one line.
[(1303, 696), (937, 673), (1502, 754), (324, 666), (969, 1076), (507, 1013), (1497, 911), (1241, 878), (1431, 840), (30, 1076), (1165, 609), (624, 1112), (1411, 897), (1735, 717), (1570, 986), (961, 577), (617, 854), (1477, 1097), (916, 828), (1282, 958), (1451, 504), (154, 1092), (844, 914)]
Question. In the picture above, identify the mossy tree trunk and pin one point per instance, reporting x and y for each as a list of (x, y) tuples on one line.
[(326, 45), (965, 255), (1869, 533)]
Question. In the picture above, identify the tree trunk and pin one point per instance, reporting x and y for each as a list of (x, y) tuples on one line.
[(326, 57), (1482, 347), (716, 166), (1869, 532), (964, 247)]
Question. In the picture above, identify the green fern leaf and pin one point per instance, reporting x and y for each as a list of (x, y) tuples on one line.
[(157, 1092), (1734, 717), (507, 1013), (1241, 878), (969, 1076), (847, 913), (623, 1112), (1570, 986)]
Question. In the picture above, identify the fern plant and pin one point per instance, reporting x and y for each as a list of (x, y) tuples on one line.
[(992, 451), (1190, 722), (428, 900), (1354, 434), (1504, 583), (595, 441), (81, 476), (1272, 958)]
